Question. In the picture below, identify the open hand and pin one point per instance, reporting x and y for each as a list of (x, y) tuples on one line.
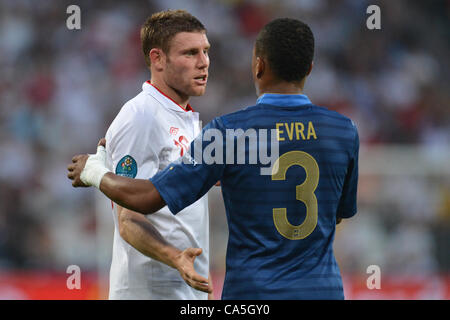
[(185, 266)]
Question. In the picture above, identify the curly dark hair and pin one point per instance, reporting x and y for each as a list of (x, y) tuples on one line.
[(288, 46)]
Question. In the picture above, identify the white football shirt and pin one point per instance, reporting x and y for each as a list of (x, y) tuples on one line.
[(150, 131)]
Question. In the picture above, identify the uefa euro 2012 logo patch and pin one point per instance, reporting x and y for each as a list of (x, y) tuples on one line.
[(127, 167)]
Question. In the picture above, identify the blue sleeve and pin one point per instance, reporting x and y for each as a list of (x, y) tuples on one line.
[(187, 179), (347, 204)]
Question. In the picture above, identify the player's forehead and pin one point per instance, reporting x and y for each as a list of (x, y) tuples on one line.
[(187, 40)]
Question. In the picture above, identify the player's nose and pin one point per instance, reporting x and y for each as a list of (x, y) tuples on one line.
[(203, 61)]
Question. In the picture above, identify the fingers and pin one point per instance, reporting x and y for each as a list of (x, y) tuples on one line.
[(78, 183), (76, 158), (76, 180), (195, 277), (188, 272), (74, 170), (70, 175), (102, 142), (203, 288), (198, 282), (71, 168)]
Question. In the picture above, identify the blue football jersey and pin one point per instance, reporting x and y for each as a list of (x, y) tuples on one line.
[(281, 225)]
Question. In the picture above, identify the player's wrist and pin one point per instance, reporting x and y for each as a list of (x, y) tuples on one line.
[(174, 257), (95, 168)]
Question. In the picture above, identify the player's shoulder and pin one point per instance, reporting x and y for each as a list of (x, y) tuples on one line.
[(139, 105), (141, 108), (230, 120), (135, 115), (333, 116)]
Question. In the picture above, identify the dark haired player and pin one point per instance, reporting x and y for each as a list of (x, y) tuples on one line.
[(281, 226)]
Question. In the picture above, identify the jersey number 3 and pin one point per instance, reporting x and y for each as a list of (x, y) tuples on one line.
[(304, 193)]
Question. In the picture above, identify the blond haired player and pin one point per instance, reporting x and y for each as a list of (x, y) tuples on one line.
[(151, 130)]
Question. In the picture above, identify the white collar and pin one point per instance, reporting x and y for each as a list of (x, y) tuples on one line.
[(164, 99)]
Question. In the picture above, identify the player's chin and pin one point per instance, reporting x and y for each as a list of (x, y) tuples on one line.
[(197, 91)]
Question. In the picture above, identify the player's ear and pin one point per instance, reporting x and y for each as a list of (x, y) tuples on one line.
[(260, 67), (157, 58)]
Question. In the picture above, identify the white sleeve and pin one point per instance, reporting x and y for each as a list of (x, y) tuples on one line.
[(129, 146)]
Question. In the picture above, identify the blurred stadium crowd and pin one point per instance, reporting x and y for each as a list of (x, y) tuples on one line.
[(60, 90)]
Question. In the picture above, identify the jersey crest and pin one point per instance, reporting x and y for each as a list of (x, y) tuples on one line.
[(173, 131), (127, 167)]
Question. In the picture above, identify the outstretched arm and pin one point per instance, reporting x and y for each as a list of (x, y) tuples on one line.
[(139, 232), (135, 194), (141, 196)]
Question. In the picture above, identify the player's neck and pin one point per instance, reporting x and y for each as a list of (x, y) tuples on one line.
[(281, 87), (181, 99)]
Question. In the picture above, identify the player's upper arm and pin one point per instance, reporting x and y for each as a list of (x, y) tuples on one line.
[(129, 143), (347, 205)]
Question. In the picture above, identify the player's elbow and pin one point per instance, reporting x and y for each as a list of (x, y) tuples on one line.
[(124, 219), (148, 208), (144, 207), (147, 200), (151, 203), (141, 203)]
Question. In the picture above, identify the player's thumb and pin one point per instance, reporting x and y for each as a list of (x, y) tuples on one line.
[(102, 142), (194, 252), (101, 155)]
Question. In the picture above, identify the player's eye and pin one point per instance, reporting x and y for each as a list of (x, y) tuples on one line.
[(191, 52)]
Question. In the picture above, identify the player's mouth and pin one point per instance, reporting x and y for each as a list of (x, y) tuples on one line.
[(201, 80)]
